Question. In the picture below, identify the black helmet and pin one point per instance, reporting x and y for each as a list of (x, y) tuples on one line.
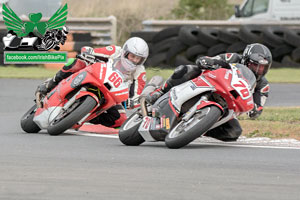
[(258, 58)]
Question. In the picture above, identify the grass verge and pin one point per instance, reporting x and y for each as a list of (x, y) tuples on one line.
[(26, 72), (284, 75), (282, 122)]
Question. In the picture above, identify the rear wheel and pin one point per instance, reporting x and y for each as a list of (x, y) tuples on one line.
[(129, 134), (27, 123), (186, 132), (72, 115)]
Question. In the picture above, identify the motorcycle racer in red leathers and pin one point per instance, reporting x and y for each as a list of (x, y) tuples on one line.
[(256, 57), (129, 60)]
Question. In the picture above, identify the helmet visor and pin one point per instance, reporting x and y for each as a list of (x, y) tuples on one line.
[(135, 59), (258, 69), (258, 64)]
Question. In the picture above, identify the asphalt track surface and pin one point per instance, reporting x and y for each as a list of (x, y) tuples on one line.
[(39, 166)]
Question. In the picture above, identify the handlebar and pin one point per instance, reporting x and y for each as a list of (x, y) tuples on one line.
[(91, 58), (152, 85)]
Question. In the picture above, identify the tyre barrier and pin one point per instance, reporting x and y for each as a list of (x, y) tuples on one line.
[(177, 45)]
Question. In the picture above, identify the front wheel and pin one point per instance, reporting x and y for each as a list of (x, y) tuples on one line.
[(186, 132), (72, 115), (27, 123), (129, 134)]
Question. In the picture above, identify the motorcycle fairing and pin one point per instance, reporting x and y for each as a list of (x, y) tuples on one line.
[(240, 85), (204, 103), (169, 106), (92, 75), (185, 91), (144, 129), (118, 87), (44, 118), (78, 79), (231, 87), (155, 128)]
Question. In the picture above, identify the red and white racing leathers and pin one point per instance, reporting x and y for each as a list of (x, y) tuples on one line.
[(115, 116)]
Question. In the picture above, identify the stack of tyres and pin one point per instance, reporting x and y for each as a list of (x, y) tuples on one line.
[(164, 43), (2, 34), (178, 45)]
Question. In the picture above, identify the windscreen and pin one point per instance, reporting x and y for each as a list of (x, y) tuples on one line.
[(248, 75)]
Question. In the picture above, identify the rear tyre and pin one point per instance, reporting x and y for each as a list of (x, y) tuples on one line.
[(27, 123), (186, 132), (72, 115), (128, 133)]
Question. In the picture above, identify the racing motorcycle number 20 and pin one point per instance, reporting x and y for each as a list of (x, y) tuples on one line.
[(115, 79)]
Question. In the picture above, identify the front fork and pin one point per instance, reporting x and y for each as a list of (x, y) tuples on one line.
[(201, 103), (188, 115), (82, 92)]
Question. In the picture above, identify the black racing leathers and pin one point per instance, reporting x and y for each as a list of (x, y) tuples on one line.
[(231, 130)]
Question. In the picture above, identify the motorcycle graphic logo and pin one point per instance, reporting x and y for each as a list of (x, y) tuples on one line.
[(34, 34)]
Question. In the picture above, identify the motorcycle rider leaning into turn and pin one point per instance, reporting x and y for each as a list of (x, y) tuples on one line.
[(129, 60), (256, 57)]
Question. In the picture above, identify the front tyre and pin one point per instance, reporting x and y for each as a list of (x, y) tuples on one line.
[(72, 115), (128, 133), (27, 123), (186, 132)]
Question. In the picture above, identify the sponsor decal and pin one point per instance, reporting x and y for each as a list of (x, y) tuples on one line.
[(163, 121), (78, 79), (211, 75), (168, 123), (109, 48), (193, 87), (174, 94), (147, 121)]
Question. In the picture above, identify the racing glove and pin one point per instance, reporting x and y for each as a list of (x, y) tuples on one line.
[(132, 103), (255, 112), (43, 89), (206, 63), (152, 97)]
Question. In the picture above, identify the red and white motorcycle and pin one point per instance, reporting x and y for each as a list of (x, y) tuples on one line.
[(78, 99), (190, 109)]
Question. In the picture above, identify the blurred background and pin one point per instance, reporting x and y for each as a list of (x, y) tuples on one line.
[(131, 13)]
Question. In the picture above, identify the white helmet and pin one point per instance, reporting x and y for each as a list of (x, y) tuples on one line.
[(136, 46)]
